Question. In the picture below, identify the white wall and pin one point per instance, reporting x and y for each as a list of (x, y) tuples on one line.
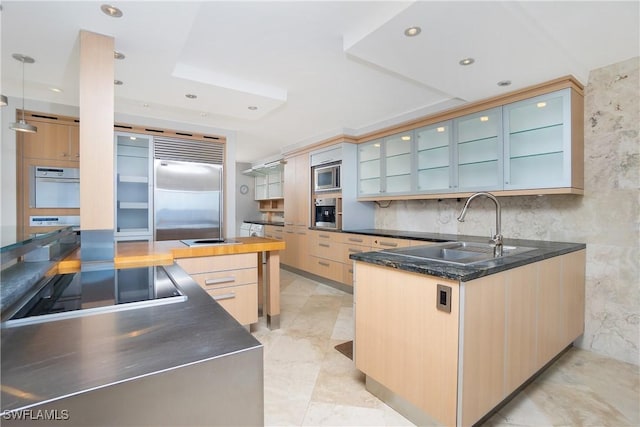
[(606, 218), (246, 206)]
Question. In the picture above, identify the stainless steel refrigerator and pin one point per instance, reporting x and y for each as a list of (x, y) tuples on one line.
[(187, 200)]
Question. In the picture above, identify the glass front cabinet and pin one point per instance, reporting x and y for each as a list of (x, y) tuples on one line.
[(434, 155), (385, 165), (538, 135), (134, 186), (478, 151), (369, 168), (526, 145)]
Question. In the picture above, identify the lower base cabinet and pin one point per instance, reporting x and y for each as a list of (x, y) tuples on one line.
[(232, 280), (456, 366)]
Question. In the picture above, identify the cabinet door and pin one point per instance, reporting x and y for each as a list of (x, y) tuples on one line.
[(398, 176), (274, 185), (297, 190), (433, 148), (396, 326), (537, 149), (134, 186), (261, 187), (52, 141), (478, 151), (302, 185), (370, 168), (290, 193)]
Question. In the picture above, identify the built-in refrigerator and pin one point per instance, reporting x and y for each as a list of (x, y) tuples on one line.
[(187, 200)]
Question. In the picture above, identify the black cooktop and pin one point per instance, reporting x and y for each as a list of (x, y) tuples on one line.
[(98, 291)]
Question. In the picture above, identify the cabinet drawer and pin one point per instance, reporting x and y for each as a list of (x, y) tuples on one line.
[(327, 250), (348, 249), (218, 263), (327, 268), (240, 301), (390, 243), (356, 239), (221, 279)]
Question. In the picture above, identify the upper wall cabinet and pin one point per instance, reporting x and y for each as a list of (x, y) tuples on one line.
[(369, 168), (269, 184), (538, 153), (53, 141), (478, 151), (386, 165), (533, 145), (435, 158)]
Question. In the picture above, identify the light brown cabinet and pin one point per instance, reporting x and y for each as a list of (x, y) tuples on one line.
[(297, 190), (232, 280), (456, 367), (53, 141)]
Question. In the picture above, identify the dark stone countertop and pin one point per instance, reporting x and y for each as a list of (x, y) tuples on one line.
[(542, 250)]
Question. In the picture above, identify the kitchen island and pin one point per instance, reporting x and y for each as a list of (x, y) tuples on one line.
[(184, 363), (138, 254), (445, 343), (133, 364)]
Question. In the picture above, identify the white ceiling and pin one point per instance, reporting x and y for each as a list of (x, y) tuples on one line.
[(313, 69)]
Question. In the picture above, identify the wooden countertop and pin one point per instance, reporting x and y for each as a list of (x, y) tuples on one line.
[(140, 254)]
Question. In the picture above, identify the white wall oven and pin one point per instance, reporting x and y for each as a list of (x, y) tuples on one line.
[(54, 187)]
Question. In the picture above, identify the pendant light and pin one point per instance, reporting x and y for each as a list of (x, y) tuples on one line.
[(22, 125)]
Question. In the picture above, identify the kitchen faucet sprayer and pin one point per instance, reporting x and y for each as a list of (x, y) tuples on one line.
[(496, 241)]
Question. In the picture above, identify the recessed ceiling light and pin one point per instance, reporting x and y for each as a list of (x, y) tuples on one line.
[(252, 107), (55, 89), (467, 61), (440, 129), (484, 118), (133, 138), (118, 55), (145, 105), (412, 31), (541, 104), (504, 83), (191, 96), (117, 82), (112, 11), (376, 145), (405, 138)]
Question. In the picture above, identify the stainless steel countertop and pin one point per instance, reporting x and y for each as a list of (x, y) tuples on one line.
[(47, 361)]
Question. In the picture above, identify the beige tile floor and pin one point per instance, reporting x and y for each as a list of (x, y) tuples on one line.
[(308, 383)]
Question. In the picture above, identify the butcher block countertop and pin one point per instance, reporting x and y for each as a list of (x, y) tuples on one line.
[(140, 254)]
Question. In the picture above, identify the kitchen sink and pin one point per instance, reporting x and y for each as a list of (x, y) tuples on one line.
[(459, 253)]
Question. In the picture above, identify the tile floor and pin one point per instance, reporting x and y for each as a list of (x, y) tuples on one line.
[(308, 383)]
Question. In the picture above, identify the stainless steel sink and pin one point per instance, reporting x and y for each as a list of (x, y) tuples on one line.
[(459, 253)]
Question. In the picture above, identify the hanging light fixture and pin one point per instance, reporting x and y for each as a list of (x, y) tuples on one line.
[(21, 125)]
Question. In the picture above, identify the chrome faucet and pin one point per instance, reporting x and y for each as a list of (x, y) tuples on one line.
[(496, 241)]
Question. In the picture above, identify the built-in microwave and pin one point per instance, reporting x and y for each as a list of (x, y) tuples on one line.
[(326, 177)]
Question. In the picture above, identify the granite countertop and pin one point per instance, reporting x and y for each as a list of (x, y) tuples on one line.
[(541, 250), (50, 360)]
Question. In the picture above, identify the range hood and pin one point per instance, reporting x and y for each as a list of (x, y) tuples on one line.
[(265, 168)]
